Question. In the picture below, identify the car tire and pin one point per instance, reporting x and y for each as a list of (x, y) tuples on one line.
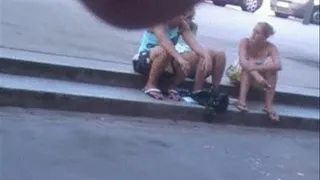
[(251, 5), (280, 15), (315, 16), (219, 3)]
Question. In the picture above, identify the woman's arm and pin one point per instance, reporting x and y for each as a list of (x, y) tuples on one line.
[(194, 28), (274, 65), (160, 32), (188, 37), (243, 55)]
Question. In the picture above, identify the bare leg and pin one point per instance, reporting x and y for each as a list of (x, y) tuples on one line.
[(271, 78), (245, 84), (177, 80), (260, 79), (218, 66), (196, 65), (179, 76), (159, 61), (200, 77)]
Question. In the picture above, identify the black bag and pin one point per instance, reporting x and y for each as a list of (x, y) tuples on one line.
[(212, 99), (141, 64)]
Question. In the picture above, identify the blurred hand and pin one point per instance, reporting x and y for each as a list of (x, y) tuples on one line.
[(185, 66), (260, 79), (131, 14), (206, 61), (249, 65)]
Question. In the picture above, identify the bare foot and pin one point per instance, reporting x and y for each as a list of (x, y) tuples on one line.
[(153, 92), (241, 107), (174, 95), (273, 116)]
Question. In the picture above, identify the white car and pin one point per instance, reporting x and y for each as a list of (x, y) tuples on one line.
[(246, 5), (295, 8)]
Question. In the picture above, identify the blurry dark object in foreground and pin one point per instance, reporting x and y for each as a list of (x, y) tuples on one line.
[(136, 14)]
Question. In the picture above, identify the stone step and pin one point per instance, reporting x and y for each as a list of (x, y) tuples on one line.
[(34, 92), (113, 73)]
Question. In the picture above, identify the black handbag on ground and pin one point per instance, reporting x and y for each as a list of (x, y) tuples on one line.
[(212, 99)]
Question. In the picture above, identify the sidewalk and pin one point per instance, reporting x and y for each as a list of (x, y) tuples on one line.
[(34, 80), (73, 32), (75, 63)]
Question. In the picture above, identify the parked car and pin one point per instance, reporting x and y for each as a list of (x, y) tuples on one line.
[(246, 5), (295, 8)]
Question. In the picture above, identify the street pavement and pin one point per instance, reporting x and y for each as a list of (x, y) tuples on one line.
[(50, 145), (64, 27)]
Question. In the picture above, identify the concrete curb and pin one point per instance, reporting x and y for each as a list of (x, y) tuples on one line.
[(124, 79), (59, 101)]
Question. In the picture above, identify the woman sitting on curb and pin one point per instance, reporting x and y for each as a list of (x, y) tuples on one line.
[(157, 54), (260, 63)]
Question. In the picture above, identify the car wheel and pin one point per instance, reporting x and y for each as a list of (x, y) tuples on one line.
[(219, 3), (315, 16), (280, 15), (251, 5)]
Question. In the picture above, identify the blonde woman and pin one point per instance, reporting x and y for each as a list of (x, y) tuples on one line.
[(260, 63)]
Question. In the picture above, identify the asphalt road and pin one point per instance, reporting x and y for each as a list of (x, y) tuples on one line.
[(64, 27), (51, 145)]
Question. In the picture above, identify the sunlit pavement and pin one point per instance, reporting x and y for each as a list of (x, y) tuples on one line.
[(64, 27)]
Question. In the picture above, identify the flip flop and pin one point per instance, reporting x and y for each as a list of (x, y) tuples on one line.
[(174, 95), (154, 93), (241, 107), (273, 116)]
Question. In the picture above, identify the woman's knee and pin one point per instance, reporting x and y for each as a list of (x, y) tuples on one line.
[(221, 57), (177, 67), (271, 75), (245, 75), (190, 56), (218, 56), (159, 53), (268, 60)]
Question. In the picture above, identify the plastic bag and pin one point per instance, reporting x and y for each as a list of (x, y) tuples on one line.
[(233, 72), (182, 47)]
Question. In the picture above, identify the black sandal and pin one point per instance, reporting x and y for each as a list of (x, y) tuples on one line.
[(174, 95)]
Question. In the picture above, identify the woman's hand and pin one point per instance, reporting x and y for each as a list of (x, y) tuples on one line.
[(261, 80), (185, 66), (249, 65), (133, 14), (206, 60)]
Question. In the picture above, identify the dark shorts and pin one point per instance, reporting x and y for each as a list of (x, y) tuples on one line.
[(142, 65), (192, 74)]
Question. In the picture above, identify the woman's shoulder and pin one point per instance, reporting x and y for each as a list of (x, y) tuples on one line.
[(271, 46), (244, 41), (193, 25)]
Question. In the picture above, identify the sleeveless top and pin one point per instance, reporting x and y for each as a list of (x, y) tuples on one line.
[(182, 46), (149, 40)]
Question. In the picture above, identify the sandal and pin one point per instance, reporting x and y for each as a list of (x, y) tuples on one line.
[(154, 93), (273, 116), (174, 95), (241, 107)]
